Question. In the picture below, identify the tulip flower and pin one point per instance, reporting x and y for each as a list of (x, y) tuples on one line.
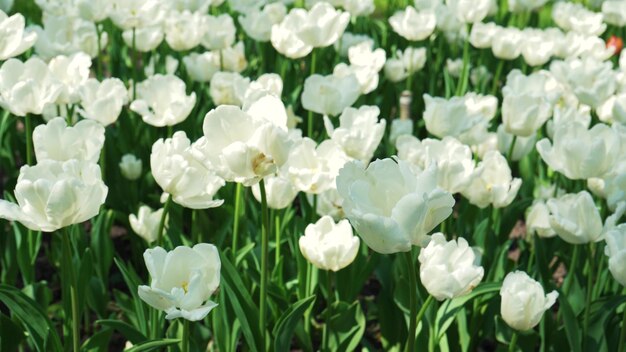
[(390, 207), (26, 87), (178, 167), (184, 30), (449, 269), (55, 194), (593, 81), (146, 223), (228, 88), (258, 23), (538, 220), (329, 245), (130, 167), (129, 14), (359, 132), (15, 40), (524, 301), (329, 95), (492, 183), (145, 38), (279, 189), (102, 101), (220, 33), (577, 18), (162, 100), (182, 280), (413, 25), (614, 12), (575, 218), (202, 67), (56, 141), (66, 34)]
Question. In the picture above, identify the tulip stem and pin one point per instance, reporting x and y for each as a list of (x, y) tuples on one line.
[(622, 335), (410, 344), (463, 81), (329, 314), (509, 155), (29, 139), (496, 77), (184, 343), (264, 255), (238, 189), (422, 310), (166, 207), (571, 271), (133, 59), (69, 275), (590, 273), (513, 342)]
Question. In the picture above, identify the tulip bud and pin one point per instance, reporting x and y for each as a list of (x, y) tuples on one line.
[(449, 269), (130, 167), (146, 223), (182, 280), (329, 246), (524, 301)]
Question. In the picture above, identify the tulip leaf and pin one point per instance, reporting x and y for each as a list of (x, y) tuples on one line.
[(601, 312), (98, 341), (153, 345), (570, 322), (133, 335), (39, 328), (347, 326), (448, 310), (11, 334), (132, 281), (246, 311), (284, 328)]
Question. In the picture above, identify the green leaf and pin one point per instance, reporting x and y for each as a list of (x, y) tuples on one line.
[(98, 341), (153, 345), (284, 328), (570, 322), (132, 281), (36, 323), (130, 333), (11, 334), (239, 298), (449, 308), (347, 326), (601, 312)]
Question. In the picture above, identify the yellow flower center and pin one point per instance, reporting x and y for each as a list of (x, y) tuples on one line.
[(185, 286)]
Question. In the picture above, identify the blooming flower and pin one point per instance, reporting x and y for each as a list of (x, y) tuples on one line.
[(329, 246), (146, 223), (359, 132), (182, 280), (102, 101), (329, 95), (413, 25), (492, 183), (449, 269), (56, 141), (389, 206), (616, 251), (524, 301), (575, 218), (55, 194), (15, 40), (162, 100), (130, 167)]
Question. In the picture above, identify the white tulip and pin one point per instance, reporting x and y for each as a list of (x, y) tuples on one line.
[(577, 18), (575, 218), (492, 183), (146, 223), (66, 35), (579, 153), (284, 36), (234, 58), (359, 7), (323, 25), (162, 100), (146, 38), (178, 167), (102, 101), (523, 145), (400, 127), (243, 148), (591, 80), (538, 220), (329, 245), (182, 280), (220, 32), (482, 34), (614, 12), (524, 301), (184, 30), (129, 14), (349, 40), (359, 132), (518, 6), (507, 43), (389, 206), (27, 87), (469, 11), (258, 23), (449, 269), (413, 25), (130, 167), (72, 71), (329, 95), (202, 67), (307, 168), (56, 141), (15, 40), (279, 191), (55, 194), (228, 88)]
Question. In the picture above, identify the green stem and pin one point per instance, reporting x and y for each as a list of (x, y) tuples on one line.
[(410, 344), (622, 335), (238, 189), (29, 139), (422, 310), (509, 155), (496, 77), (135, 65), (310, 113), (590, 273), (162, 221), (571, 270), (277, 235), (463, 83), (184, 343), (68, 274), (513, 342), (264, 255), (329, 314)]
